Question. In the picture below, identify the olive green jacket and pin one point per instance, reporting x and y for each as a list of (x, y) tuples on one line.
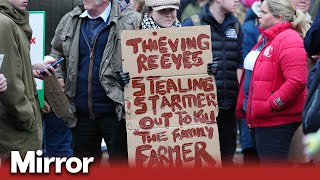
[(20, 118), (65, 43)]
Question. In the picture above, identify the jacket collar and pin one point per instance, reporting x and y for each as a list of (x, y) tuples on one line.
[(20, 17), (114, 14), (105, 14), (273, 31), (208, 17)]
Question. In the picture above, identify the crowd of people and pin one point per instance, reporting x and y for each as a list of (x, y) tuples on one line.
[(260, 65)]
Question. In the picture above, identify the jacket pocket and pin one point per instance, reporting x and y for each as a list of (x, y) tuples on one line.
[(30, 123), (65, 40), (27, 125), (262, 110)]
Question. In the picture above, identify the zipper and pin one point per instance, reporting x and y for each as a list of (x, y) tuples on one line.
[(264, 44), (90, 85), (224, 67), (250, 120), (91, 115), (90, 75)]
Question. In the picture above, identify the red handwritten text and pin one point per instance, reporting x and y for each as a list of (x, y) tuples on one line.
[(168, 156)]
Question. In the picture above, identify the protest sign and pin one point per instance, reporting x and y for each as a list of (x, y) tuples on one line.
[(37, 20), (171, 102), (57, 99)]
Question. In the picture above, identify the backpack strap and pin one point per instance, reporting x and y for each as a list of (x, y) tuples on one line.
[(196, 20)]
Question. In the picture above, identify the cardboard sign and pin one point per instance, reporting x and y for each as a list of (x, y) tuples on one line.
[(171, 103), (57, 99)]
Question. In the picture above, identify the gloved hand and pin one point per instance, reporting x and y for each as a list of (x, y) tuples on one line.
[(123, 78), (213, 66), (312, 144)]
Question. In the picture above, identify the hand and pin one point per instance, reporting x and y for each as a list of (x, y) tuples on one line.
[(123, 78), (46, 108), (61, 83), (3, 83), (315, 57), (212, 67), (36, 68), (312, 144)]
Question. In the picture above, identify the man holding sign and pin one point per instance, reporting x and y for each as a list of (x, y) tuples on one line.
[(88, 38)]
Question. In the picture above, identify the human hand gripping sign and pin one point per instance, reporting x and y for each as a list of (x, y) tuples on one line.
[(212, 67)]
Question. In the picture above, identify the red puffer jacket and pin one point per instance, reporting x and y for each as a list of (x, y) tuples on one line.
[(278, 84)]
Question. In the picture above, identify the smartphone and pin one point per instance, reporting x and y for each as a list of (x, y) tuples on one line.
[(54, 65)]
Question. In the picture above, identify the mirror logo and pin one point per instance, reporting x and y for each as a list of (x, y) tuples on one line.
[(35, 163)]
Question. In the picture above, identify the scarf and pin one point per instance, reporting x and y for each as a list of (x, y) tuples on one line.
[(148, 23), (20, 17)]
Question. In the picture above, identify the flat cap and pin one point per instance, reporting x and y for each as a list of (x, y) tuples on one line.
[(162, 4)]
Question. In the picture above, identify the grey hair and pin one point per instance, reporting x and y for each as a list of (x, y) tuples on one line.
[(285, 9)]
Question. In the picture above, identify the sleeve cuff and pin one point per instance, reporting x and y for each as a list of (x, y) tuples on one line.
[(276, 103)]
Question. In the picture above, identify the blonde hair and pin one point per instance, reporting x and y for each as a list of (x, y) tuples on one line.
[(285, 9)]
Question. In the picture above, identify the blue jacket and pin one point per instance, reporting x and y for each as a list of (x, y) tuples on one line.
[(312, 39), (250, 32), (312, 44), (312, 74)]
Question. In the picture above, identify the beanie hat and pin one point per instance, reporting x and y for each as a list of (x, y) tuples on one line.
[(256, 7), (162, 4), (248, 3)]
